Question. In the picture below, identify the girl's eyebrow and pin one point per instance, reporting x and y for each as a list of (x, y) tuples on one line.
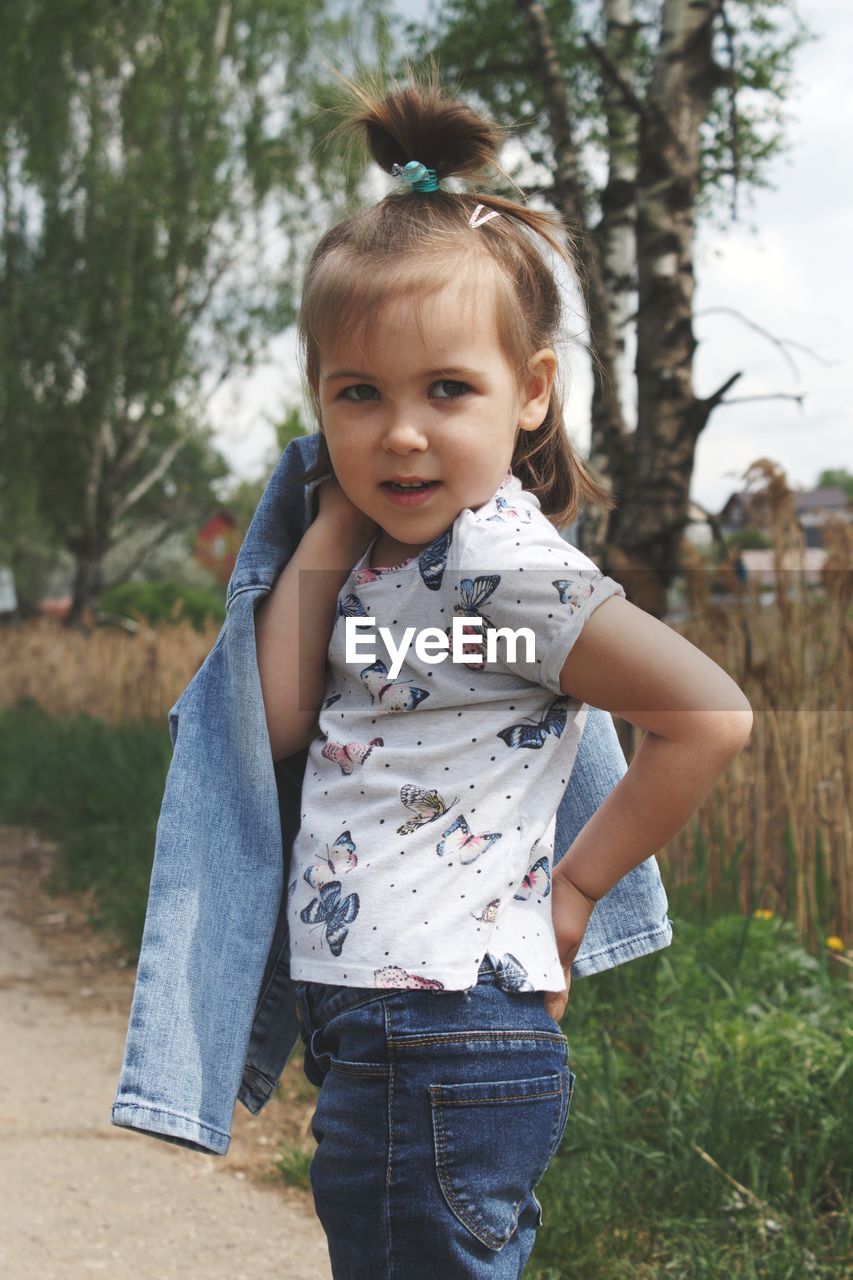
[(427, 373)]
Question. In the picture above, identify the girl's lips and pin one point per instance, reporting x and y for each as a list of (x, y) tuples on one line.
[(412, 498)]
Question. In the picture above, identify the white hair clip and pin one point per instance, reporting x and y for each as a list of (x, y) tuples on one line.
[(474, 221)]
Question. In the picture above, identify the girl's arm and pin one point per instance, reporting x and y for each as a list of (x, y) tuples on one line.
[(293, 624), (697, 720)]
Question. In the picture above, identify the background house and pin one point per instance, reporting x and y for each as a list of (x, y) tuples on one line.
[(812, 508), (217, 543)]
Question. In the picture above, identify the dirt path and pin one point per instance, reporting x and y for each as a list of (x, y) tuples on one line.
[(81, 1197)]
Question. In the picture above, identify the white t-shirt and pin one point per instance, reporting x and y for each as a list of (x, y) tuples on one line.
[(430, 794)]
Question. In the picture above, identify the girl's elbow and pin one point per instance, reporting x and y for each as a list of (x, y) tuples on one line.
[(738, 727)]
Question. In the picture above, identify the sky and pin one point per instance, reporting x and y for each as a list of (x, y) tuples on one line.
[(785, 266)]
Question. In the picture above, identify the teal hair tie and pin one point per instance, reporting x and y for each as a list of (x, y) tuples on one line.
[(421, 178)]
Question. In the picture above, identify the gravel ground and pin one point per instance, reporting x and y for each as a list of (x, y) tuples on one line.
[(81, 1197)]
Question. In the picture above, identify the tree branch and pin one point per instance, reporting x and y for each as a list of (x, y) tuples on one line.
[(615, 76), (701, 409), (773, 395), (155, 474), (716, 397), (781, 343)]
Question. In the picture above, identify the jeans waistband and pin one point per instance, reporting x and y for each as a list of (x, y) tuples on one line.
[(317, 1002)]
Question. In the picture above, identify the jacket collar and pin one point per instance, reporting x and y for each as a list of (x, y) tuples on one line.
[(283, 514)]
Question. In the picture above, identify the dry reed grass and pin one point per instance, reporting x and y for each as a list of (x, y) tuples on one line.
[(104, 672), (782, 810)]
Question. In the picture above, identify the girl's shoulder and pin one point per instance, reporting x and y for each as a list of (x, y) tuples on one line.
[(511, 532)]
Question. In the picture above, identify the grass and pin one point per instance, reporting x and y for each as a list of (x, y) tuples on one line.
[(712, 1096), (96, 790)]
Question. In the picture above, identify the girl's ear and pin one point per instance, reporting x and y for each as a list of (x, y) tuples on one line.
[(536, 389)]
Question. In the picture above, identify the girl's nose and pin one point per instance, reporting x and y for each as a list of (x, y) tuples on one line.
[(403, 435)]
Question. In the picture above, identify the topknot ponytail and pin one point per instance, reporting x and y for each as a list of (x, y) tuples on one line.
[(411, 243), (421, 122)]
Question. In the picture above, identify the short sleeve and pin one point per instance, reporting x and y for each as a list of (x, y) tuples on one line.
[(524, 575)]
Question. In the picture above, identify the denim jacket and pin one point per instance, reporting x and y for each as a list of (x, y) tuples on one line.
[(213, 1018)]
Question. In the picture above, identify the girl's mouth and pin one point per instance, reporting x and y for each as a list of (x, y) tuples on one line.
[(409, 495)]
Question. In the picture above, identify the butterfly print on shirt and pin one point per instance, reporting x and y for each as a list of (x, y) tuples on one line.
[(537, 880), (458, 839), (574, 591), (506, 511), (426, 806), (534, 734), (474, 592), (338, 860), (512, 975), (390, 695), (391, 975), (349, 754), (362, 576), (489, 913), (350, 606), (433, 560), (333, 912)]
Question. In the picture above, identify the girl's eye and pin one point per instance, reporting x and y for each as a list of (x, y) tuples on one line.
[(461, 388), (447, 382), (359, 386)]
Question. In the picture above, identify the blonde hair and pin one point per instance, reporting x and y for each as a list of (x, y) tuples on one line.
[(413, 243)]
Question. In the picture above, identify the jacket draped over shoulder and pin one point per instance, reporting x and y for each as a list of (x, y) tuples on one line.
[(213, 1018)]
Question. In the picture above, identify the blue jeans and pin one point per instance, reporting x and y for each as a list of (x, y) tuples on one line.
[(438, 1113)]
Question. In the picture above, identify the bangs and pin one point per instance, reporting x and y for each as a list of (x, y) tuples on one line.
[(346, 290)]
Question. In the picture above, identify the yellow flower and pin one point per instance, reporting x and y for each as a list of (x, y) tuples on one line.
[(834, 943), (763, 914)]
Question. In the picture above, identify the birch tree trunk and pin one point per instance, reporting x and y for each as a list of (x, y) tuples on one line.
[(640, 79), (647, 527), (616, 232), (615, 242)]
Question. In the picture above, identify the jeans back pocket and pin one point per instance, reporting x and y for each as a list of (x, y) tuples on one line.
[(493, 1140)]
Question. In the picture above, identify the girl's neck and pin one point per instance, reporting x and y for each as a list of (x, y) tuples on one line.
[(387, 554)]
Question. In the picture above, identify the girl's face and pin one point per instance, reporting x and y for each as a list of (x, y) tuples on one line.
[(440, 406)]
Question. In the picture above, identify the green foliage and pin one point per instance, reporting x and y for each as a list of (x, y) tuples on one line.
[(141, 146), (95, 790), (166, 601), (747, 116), (293, 1165), (734, 1042), (747, 120)]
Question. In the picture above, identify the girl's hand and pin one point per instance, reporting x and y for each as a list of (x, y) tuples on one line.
[(570, 911), (336, 511)]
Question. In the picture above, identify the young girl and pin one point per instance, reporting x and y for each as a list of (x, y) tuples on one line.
[(431, 932)]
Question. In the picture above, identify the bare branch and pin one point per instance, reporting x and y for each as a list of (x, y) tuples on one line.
[(699, 412), (614, 74), (781, 343), (155, 474), (716, 397), (773, 395)]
